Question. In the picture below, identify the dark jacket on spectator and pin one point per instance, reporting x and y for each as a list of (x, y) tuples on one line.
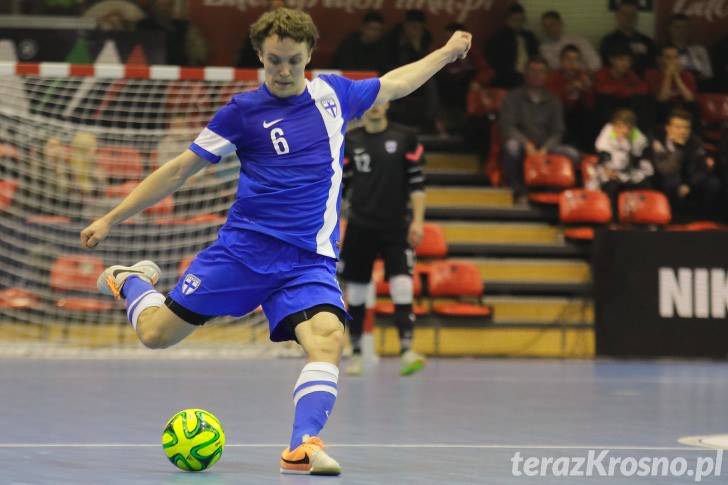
[(688, 161), (501, 52)]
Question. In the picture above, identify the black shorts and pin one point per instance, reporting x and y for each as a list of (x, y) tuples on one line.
[(362, 245)]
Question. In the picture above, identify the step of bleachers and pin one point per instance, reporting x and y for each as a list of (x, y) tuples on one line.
[(462, 197), (522, 233)]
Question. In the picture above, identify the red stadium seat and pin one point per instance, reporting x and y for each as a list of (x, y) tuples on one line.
[(382, 289), (644, 207), (18, 299), (8, 187), (121, 163), (579, 206), (433, 244), (485, 101), (552, 173), (714, 112), (78, 273), (698, 226), (461, 281)]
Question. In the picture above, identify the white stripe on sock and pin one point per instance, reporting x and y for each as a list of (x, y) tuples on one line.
[(318, 371), (148, 300), (308, 390)]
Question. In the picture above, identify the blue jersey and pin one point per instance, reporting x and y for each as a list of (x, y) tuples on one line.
[(291, 157)]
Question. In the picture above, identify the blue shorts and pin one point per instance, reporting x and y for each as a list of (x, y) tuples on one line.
[(237, 274)]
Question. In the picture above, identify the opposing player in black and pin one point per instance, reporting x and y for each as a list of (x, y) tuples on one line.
[(385, 185)]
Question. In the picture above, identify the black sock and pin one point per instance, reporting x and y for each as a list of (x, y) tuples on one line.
[(404, 319), (356, 326)]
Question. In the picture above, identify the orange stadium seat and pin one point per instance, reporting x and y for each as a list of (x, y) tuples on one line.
[(163, 207), (644, 207), (551, 173), (8, 187), (382, 289), (433, 244), (579, 206), (714, 113), (18, 299), (78, 273), (121, 163), (461, 281)]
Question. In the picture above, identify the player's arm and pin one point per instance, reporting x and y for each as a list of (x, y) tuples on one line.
[(400, 82), (416, 182), (158, 185)]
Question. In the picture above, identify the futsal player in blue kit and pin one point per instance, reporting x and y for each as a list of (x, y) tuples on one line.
[(279, 245)]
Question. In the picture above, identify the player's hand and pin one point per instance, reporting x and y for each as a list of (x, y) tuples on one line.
[(414, 236), (458, 45), (94, 234)]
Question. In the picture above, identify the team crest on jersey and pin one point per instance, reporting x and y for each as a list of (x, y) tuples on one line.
[(190, 284), (330, 106), (390, 146)]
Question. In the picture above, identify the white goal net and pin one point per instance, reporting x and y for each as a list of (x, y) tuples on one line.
[(74, 140)]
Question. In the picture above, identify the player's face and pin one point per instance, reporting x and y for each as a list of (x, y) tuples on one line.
[(376, 113), (284, 62)]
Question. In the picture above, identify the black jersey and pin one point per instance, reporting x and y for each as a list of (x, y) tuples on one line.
[(381, 170)]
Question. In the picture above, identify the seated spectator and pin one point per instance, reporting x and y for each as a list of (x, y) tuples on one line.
[(454, 82), (672, 86), (693, 57), (248, 57), (362, 50), (572, 84), (626, 35), (531, 124), (683, 171), (77, 182), (184, 43), (616, 86), (409, 41), (508, 51), (622, 163), (555, 40)]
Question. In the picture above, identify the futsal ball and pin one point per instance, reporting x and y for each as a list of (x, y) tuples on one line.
[(193, 440)]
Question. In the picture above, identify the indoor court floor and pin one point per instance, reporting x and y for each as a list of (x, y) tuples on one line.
[(98, 420)]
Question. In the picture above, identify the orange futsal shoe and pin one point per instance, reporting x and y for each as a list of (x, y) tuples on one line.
[(309, 459)]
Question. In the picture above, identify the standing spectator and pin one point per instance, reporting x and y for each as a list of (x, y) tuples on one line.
[(693, 57), (617, 86), (508, 51), (531, 124), (683, 171), (384, 174), (640, 45), (455, 81), (362, 50), (184, 43), (672, 86), (622, 163), (572, 84), (555, 40)]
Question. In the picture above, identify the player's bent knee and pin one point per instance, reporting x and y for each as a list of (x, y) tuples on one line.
[(161, 329)]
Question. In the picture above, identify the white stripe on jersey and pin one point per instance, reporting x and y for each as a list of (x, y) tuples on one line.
[(214, 143), (320, 91)]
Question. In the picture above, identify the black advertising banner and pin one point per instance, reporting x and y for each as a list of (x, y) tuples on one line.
[(661, 294)]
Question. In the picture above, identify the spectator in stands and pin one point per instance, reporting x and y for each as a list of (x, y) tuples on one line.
[(184, 43), (693, 57), (407, 42), (363, 50), (508, 51), (78, 179), (454, 82), (622, 162), (248, 57), (555, 40), (683, 171), (617, 86), (672, 86), (641, 46), (572, 84), (531, 124), (720, 66)]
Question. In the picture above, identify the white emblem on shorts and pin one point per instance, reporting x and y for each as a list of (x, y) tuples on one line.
[(390, 146), (190, 284)]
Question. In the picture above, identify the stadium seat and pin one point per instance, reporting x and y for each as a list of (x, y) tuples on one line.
[(8, 187), (73, 274), (549, 175), (487, 102), (461, 281), (433, 244), (579, 206), (18, 299), (697, 226), (644, 207), (120, 163), (382, 289), (714, 113), (163, 207)]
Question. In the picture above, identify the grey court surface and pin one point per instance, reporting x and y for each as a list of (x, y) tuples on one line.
[(99, 421)]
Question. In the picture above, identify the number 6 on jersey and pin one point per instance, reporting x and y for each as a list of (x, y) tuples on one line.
[(279, 143)]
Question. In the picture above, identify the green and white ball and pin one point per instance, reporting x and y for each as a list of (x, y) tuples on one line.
[(193, 440)]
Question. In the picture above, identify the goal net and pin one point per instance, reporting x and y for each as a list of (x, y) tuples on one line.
[(74, 140)]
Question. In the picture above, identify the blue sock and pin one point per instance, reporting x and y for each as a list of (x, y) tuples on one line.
[(139, 295), (314, 398)]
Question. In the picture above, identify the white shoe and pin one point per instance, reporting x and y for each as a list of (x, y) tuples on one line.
[(355, 366), (112, 279), (411, 362)]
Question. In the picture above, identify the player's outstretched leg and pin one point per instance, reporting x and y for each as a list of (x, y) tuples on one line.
[(136, 284)]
